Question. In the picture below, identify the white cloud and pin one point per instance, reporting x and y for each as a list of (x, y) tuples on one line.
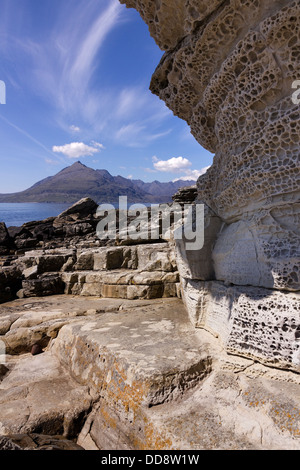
[(183, 178), (178, 165), (77, 149), (74, 128), (192, 174), (173, 165), (97, 144)]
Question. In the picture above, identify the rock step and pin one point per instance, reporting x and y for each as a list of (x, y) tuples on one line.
[(127, 284), (123, 283), (229, 410), (147, 257), (153, 349), (127, 272), (133, 362)]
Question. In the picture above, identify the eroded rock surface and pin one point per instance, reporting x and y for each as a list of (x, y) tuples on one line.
[(228, 71)]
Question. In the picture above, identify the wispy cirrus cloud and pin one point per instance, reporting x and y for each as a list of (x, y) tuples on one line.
[(136, 134), (61, 63), (75, 56)]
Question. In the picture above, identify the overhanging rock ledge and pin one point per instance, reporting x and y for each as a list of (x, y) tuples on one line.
[(228, 71)]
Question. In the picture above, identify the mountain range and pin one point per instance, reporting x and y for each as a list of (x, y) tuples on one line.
[(78, 181)]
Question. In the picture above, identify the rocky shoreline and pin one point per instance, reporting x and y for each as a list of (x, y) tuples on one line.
[(69, 258)]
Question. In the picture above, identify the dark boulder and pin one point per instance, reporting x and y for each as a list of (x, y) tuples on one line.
[(77, 221), (5, 240), (44, 286), (10, 282), (36, 349), (83, 209)]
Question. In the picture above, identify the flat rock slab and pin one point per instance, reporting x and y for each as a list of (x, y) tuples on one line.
[(152, 347), (67, 304), (133, 361), (25, 322)]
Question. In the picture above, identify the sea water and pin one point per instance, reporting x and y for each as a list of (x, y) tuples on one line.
[(17, 214)]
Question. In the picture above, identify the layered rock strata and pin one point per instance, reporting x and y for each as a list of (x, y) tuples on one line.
[(129, 272), (228, 71)]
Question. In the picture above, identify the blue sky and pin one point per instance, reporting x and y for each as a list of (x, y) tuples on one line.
[(77, 75)]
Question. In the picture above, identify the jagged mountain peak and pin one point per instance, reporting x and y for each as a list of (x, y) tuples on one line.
[(78, 181)]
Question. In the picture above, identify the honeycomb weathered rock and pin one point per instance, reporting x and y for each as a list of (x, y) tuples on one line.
[(228, 71)]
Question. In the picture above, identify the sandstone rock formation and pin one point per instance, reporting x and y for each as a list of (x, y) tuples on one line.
[(228, 71), (69, 258), (133, 372), (121, 366), (126, 375)]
